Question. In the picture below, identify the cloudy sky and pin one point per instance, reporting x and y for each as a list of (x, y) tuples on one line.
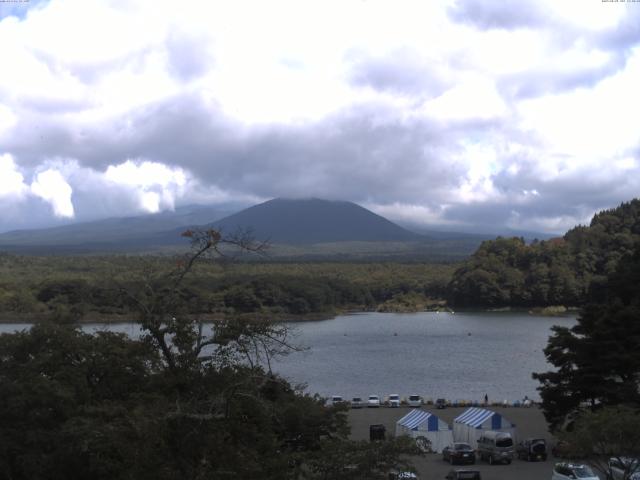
[(465, 114)]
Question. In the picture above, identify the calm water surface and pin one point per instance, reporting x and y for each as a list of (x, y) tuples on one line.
[(455, 356)]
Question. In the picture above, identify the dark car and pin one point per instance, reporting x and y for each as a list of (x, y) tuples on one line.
[(441, 403), (463, 475), (532, 449), (459, 453), (377, 432)]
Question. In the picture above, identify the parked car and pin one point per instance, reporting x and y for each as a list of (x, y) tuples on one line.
[(357, 402), (336, 400), (373, 401), (441, 403), (459, 452), (394, 400), (496, 447), (414, 401), (532, 449), (463, 475), (619, 467), (571, 471)]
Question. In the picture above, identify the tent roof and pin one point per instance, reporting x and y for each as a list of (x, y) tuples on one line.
[(414, 418), (474, 417)]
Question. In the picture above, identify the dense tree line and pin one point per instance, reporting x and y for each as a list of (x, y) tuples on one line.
[(561, 271), (79, 288)]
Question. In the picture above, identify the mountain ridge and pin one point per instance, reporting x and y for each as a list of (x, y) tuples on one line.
[(295, 227)]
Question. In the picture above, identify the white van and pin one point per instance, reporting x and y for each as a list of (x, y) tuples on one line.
[(496, 447)]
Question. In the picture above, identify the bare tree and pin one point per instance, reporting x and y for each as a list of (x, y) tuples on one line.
[(182, 337)]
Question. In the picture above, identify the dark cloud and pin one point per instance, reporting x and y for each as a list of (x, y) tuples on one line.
[(362, 153), (187, 56), (497, 14), (401, 71), (623, 36), (542, 81), (50, 105), (368, 153)]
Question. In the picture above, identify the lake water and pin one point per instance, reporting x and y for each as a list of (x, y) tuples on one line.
[(460, 356)]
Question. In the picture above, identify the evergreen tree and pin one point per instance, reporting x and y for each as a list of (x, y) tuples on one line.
[(597, 360)]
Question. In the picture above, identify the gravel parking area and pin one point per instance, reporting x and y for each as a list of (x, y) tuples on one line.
[(529, 423)]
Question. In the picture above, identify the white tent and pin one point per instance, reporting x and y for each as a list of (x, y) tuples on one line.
[(418, 423), (468, 426)]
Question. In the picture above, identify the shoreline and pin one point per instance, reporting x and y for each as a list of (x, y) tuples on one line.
[(112, 319)]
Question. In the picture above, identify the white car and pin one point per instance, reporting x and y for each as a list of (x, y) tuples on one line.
[(572, 471), (357, 402), (373, 401), (336, 400), (618, 467), (394, 400), (414, 401)]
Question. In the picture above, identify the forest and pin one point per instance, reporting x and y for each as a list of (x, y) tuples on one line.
[(87, 288), (561, 271)]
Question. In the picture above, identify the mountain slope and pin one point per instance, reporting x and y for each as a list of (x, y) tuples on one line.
[(121, 231), (310, 221)]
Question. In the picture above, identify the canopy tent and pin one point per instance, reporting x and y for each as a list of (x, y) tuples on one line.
[(469, 426), (419, 423)]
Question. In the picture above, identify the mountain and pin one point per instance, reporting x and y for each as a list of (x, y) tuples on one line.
[(118, 233), (308, 229), (310, 221)]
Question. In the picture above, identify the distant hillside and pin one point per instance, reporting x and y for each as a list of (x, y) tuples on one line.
[(112, 233), (560, 271), (311, 229), (311, 221)]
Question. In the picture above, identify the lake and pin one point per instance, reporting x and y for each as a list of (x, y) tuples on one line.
[(460, 356)]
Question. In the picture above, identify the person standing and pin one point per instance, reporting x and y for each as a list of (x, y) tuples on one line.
[(486, 399)]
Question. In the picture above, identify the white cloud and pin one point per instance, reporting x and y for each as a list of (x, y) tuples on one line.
[(597, 123), (156, 185), (151, 105), (475, 97), (51, 186), (11, 180)]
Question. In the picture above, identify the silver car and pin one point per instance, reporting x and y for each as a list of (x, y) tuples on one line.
[(571, 471)]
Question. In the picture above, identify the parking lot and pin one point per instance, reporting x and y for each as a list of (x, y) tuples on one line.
[(529, 423)]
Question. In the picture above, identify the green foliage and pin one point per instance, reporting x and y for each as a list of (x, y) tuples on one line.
[(508, 272), (611, 432), (88, 288), (597, 361)]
